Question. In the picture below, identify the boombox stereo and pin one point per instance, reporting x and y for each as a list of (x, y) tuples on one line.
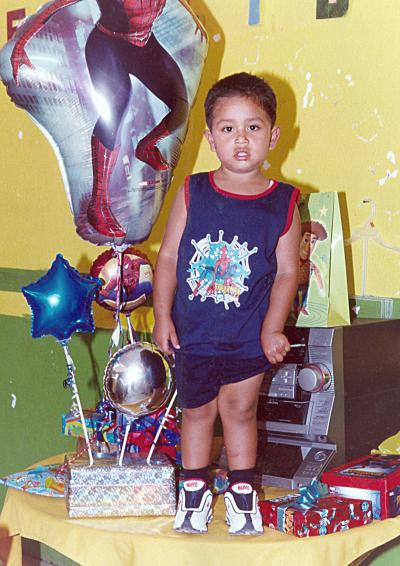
[(336, 397)]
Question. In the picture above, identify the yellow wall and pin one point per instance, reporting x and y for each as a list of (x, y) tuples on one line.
[(338, 84)]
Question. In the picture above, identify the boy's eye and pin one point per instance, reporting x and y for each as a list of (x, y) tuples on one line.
[(254, 127), (227, 129)]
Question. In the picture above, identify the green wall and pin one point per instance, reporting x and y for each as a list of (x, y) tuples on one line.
[(33, 398)]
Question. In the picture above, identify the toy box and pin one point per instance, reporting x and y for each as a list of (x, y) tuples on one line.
[(328, 514), (372, 477), (107, 489)]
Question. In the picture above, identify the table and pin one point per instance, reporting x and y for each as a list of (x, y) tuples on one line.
[(150, 541)]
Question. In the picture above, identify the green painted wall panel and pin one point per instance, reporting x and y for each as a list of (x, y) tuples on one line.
[(32, 396), (12, 280)]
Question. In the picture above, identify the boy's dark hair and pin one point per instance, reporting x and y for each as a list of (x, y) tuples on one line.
[(242, 84)]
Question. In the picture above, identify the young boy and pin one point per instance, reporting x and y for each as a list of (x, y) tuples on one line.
[(225, 279)]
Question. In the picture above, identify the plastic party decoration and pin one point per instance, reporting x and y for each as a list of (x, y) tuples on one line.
[(111, 84), (42, 480), (138, 379), (61, 301), (133, 279)]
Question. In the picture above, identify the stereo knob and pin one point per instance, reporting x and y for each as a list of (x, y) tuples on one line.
[(314, 378)]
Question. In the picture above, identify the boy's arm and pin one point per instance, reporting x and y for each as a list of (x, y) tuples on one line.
[(274, 343), (164, 283)]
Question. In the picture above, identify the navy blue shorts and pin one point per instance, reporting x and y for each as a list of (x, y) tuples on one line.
[(199, 378)]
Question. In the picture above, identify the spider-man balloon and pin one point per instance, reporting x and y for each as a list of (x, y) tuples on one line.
[(133, 279), (111, 82)]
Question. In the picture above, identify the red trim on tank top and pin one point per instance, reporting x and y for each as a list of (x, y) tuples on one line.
[(270, 188), (294, 199), (186, 191)]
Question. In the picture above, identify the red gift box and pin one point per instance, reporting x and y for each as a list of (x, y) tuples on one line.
[(372, 477), (329, 514)]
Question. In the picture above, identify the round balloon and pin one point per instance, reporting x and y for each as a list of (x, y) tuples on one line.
[(113, 93), (136, 277), (138, 379)]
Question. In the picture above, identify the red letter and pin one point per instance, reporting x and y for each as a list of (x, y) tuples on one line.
[(13, 18)]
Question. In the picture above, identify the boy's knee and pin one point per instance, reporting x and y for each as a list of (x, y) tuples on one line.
[(239, 411), (198, 414)]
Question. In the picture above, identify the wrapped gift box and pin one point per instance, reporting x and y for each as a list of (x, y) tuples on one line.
[(376, 478), (330, 514), (109, 490), (71, 424), (321, 516)]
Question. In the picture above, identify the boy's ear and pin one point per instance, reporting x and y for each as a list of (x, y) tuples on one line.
[(210, 139), (276, 132)]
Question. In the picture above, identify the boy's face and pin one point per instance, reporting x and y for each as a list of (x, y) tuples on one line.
[(241, 134)]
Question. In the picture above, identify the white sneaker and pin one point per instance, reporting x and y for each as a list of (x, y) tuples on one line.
[(242, 512), (194, 507)]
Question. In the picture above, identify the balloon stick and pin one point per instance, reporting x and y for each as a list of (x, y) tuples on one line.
[(75, 397), (131, 331), (121, 456), (161, 427)]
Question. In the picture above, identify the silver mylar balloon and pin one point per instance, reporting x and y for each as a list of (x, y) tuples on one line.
[(138, 379)]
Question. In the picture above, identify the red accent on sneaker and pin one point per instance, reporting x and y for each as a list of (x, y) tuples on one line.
[(99, 211), (241, 487)]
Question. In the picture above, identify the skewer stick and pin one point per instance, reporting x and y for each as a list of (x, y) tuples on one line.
[(161, 427), (76, 397), (121, 456)]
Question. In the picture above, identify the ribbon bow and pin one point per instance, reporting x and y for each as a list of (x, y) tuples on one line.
[(309, 494)]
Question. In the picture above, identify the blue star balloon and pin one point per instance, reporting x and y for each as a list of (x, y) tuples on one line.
[(61, 301)]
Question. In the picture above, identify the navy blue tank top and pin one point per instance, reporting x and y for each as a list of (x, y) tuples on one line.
[(227, 264)]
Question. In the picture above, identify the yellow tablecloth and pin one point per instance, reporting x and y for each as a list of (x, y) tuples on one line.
[(150, 541)]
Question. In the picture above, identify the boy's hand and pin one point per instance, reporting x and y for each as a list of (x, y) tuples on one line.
[(165, 336), (275, 346)]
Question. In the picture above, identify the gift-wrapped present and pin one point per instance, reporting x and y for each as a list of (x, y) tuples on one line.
[(71, 424), (307, 514), (106, 489), (43, 480), (372, 477)]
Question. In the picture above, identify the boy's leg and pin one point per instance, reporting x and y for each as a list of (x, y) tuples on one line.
[(237, 404), (197, 433), (195, 498)]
